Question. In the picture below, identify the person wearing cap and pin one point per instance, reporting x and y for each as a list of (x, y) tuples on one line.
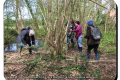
[(78, 35), (91, 43), (26, 36)]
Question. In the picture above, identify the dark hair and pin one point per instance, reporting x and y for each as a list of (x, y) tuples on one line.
[(77, 22), (29, 27), (71, 20)]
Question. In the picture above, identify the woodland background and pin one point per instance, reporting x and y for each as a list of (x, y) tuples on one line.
[(48, 18)]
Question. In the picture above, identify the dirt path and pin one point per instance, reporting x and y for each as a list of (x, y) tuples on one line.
[(107, 69)]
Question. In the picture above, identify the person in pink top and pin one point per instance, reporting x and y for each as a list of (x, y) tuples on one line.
[(78, 35)]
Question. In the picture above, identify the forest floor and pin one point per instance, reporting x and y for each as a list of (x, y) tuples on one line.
[(74, 65)]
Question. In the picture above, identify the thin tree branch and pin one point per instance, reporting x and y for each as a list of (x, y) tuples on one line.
[(98, 4)]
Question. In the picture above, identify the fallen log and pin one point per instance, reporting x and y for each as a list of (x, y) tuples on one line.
[(81, 61), (15, 63), (95, 61)]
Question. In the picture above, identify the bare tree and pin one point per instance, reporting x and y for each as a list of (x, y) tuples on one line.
[(34, 19), (21, 20), (16, 17)]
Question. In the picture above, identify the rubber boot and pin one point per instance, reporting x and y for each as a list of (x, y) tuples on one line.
[(19, 52), (30, 51), (88, 55), (96, 55), (80, 50)]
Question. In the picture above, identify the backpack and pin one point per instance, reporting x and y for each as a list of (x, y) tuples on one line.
[(26, 28), (95, 32)]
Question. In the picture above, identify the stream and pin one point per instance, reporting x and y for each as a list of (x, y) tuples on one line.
[(13, 46)]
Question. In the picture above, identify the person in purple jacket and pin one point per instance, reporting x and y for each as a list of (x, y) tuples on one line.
[(78, 35)]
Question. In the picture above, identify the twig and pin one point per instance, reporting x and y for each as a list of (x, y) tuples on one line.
[(21, 71), (95, 61), (15, 63), (41, 12), (98, 4)]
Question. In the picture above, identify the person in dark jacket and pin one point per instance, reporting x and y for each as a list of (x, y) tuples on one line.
[(70, 35), (91, 42), (26, 36)]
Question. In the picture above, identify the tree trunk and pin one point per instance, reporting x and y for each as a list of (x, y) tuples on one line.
[(34, 19), (21, 20), (16, 17)]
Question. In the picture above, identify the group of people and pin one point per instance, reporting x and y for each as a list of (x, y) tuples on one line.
[(26, 37), (91, 42)]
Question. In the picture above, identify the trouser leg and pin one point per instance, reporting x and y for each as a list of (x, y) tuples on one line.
[(20, 49), (89, 52), (19, 52), (72, 41), (96, 52), (68, 41), (30, 50), (79, 43)]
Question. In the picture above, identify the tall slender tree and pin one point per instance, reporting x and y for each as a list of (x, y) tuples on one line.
[(16, 17), (34, 19)]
